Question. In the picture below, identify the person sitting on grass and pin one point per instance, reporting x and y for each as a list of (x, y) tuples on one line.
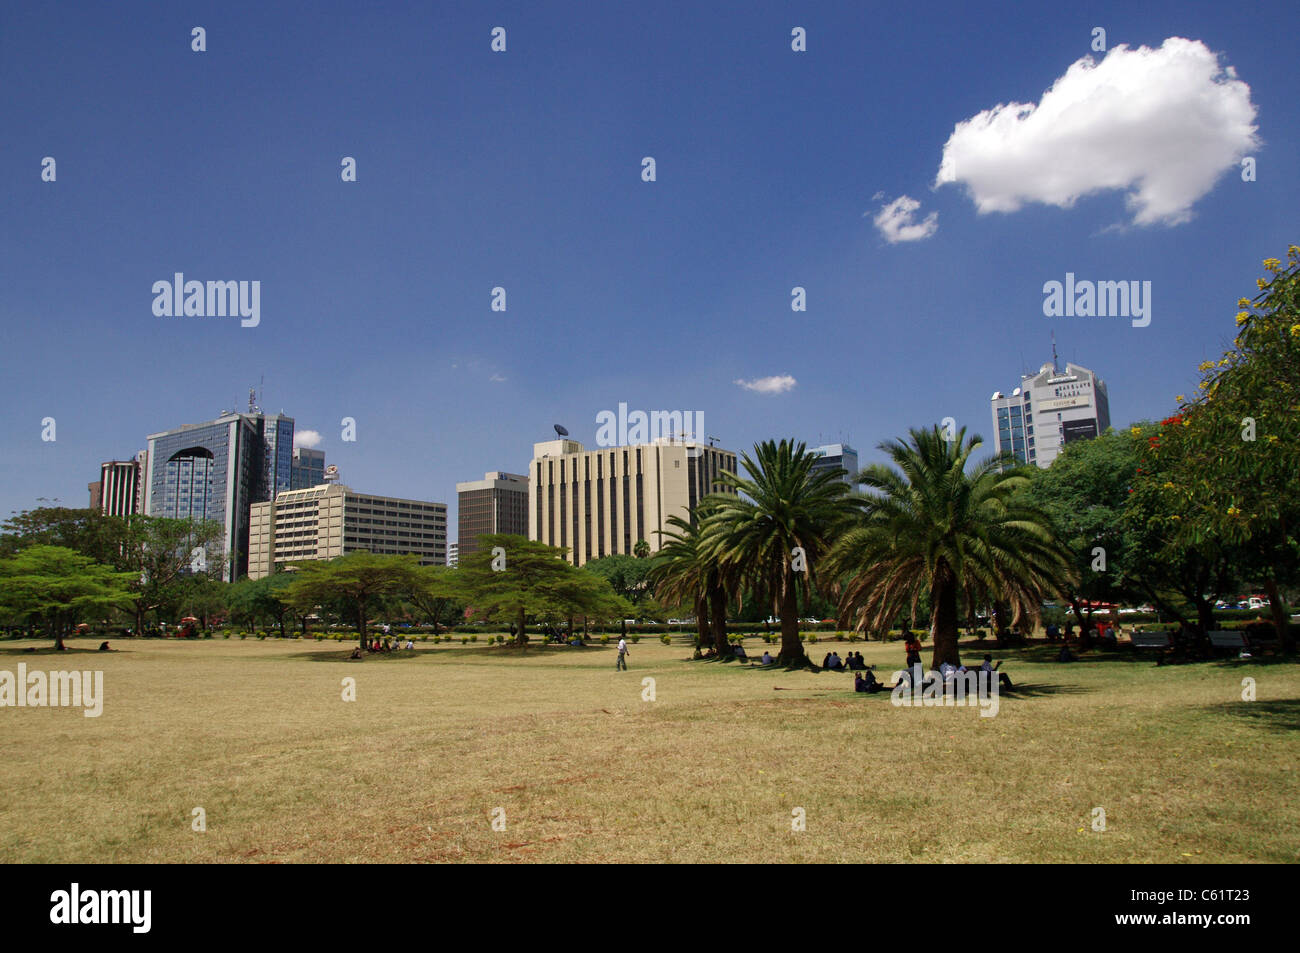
[(356, 653), (859, 683), (767, 657), (1003, 679), (103, 647), (1065, 655), (739, 651)]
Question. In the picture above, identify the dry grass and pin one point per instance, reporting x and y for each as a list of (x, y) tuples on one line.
[(257, 734)]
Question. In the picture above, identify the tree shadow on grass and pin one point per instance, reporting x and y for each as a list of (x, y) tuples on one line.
[(1281, 715)]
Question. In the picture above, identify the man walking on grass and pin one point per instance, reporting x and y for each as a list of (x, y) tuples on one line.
[(621, 663)]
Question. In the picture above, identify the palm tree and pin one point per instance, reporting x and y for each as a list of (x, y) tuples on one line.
[(770, 536), (933, 527), (680, 573)]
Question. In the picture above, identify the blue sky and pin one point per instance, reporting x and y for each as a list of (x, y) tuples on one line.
[(522, 170)]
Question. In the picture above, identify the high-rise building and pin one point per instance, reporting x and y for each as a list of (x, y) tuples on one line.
[(121, 484), (96, 495), (307, 469), (498, 503), (453, 555), (216, 470), (1048, 410), (330, 520), (603, 502), (836, 456)]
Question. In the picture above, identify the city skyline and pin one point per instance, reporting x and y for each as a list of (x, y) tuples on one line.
[(477, 170)]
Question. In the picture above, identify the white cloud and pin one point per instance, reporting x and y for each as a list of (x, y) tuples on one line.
[(777, 384), (496, 379), (897, 223), (306, 438), (1161, 125)]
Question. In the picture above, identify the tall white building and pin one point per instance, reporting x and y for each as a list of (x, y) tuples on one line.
[(1048, 410), (603, 502), (836, 456)]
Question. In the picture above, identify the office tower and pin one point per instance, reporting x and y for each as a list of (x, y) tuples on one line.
[(331, 519), (498, 503), (602, 502), (453, 555), (1048, 410), (216, 470), (836, 456), (121, 486), (307, 469)]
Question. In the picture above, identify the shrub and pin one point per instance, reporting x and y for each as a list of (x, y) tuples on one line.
[(464, 640), (812, 638), (424, 638), (243, 635), (501, 640), (604, 640), (666, 639), (474, 638), (854, 637), (225, 635), (635, 638)]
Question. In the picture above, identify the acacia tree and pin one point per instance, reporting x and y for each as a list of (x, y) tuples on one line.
[(930, 526), (361, 580), (514, 577), (59, 587), (434, 593)]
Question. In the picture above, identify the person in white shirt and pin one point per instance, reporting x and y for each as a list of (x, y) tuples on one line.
[(621, 663)]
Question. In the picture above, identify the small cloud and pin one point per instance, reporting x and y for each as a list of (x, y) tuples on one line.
[(896, 221), (310, 439), (496, 379), (876, 198), (777, 384)]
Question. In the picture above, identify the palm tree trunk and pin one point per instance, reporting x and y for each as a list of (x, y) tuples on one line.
[(701, 622), (718, 610), (792, 652), (943, 620)]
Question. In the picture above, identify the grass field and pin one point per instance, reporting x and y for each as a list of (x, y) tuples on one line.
[(258, 735)]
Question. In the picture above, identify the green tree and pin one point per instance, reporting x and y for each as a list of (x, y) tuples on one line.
[(1231, 454), (435, 594), (628, 576), (770, 536), (1083, 493), (682, 576), (362, 580), (532, 579), (267, 597), (59, 587), (931, 526)]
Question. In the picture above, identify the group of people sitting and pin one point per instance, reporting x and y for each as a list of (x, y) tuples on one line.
[(854, 663), (865, 681), (948, 672)]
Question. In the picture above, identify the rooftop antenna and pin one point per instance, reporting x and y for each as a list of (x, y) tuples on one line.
[(712, 441), (252, 400), (1055, 370), (560, 431)]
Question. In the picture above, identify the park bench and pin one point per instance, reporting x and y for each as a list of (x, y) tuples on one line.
[(1162, 642), (1229, 639)]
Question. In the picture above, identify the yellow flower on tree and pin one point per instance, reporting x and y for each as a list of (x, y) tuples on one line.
[(1272, 264), (1242, 318)]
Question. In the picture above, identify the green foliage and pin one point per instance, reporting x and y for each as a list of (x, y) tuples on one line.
[(361, 581), (666, 639), (59, 588)]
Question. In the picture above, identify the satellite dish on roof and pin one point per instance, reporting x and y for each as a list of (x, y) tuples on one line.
[(560, 430)]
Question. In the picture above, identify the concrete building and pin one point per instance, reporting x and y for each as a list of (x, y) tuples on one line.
[(453, 555), (216, 470), (307, 468), (1048, 410), (121, 486), (330, 520), (837, 456), (498, 503), (602, 502)]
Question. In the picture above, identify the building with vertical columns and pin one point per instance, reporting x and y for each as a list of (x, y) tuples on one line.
[(121, 484), (498, 503), (1048, 410), (603, 502)]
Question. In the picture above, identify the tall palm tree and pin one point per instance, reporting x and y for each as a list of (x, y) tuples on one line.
[(770, 535), (933, 526)]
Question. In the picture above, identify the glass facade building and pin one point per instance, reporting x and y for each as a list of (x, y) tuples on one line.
[(216, 470)]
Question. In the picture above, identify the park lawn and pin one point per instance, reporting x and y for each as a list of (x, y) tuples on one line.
[(583, 769)]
